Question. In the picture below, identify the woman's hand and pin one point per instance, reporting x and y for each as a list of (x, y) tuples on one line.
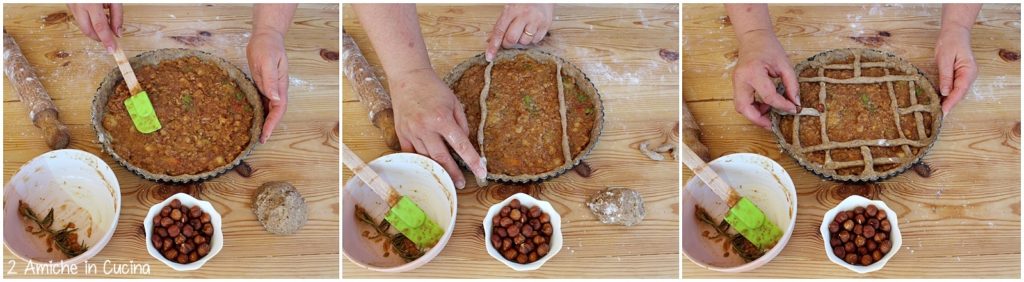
[(762, 58), (95, 22), (428, 116), (953, 55), (268, 64), (522, 24)]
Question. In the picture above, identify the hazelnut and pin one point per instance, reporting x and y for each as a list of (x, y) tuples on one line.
[(165, 222), (848, 225), (872, 245), (195, 211), (869, 231), (886, 226), (156, 219), (501, 232), (851, 258), (496, 221), (505, 222), (833, 227), (175, 204), (171, 254), (515, 215), (506, 243), (519, 239), (543, 249), (505, 211), (182, 258), (873, 222), (881, 215), (544, 218), (842, 217), (876, 255), (879, 237), (162, 232), (533, 256), (871, 210), (866, 260), (514, 204), (173, 231), (203, 249), (528, 231), (839, 251), (521, 259), (176, 214), (859, 210), (859, 241), (535, 211), (849, 247), (188, 231), (834, 242), (547, 229), (513, 231), (165, 211), (157, 242), (199, 240), (208, 229), (859, 219), (167, 244), (193, 257), (510, 254), (885, 246), (537, 240), (844, 236), (180, 239), (858, 229)]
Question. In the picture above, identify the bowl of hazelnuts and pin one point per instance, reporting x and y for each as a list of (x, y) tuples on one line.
[(523, 232), (183, 232), (861, 234)]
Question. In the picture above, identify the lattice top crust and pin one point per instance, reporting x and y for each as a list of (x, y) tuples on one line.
[(866, 115)]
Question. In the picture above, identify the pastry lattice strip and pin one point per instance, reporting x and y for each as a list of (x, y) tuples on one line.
[(868, 160)]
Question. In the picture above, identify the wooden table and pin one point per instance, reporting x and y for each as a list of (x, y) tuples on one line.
[(618, 47), (961, 221), (303, 149)]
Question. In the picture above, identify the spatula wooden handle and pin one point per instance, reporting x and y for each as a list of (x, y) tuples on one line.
[(370, 177), (126, 71), (706, 174)]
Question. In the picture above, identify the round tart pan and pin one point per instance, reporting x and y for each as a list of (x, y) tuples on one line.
[(570, 70), (834, 55), (245, 84)]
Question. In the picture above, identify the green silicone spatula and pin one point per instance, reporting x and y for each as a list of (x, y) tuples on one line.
[(743, 215), (138, 105), (403, 214)]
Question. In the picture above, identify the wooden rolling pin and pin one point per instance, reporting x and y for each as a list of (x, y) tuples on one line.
[(42, 111), (691, 135), (371, 93)]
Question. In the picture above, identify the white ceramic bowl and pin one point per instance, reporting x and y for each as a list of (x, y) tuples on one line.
[(421, 179), (79, 186), (525, 200), (216, 242), (853, 202), (753, 176)]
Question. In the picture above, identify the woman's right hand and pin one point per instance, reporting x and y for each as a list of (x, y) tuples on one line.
[(427, 116), (96, 23), (762, 58)]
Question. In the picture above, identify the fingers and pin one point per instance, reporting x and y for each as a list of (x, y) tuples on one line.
[(439, 152), (542, 31), (494, 41), (755, 112), (790, 82), (269, 75), (766, 90), (513, 33), (529, 32), (273, 117), (964, 78), (100, 25), (462, 146), (83, 22), (945, 65), (460, 118), (117, 18)]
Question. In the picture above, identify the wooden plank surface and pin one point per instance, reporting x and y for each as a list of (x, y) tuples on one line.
[(617, 46), (303, 150), (961, 221)]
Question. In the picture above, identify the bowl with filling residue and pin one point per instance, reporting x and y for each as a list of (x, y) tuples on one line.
[(753, 176), (421, 179), (84, 195)]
